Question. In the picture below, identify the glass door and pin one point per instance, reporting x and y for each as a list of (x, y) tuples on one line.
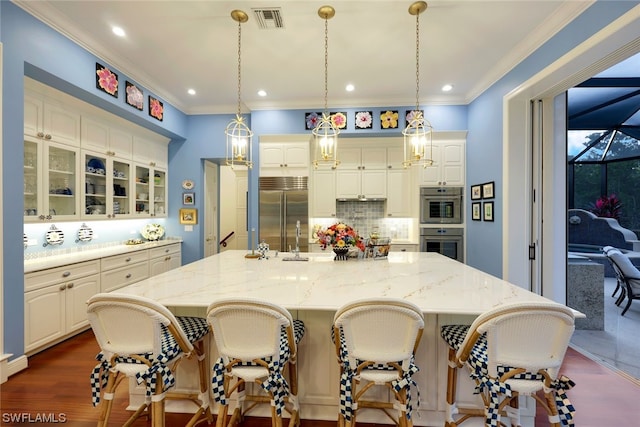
[(62, 200), (32, 202), (142, 191), (121, 188), (95, 185), (159, 193)]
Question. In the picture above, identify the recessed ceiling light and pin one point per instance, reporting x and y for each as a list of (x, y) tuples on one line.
[(262, 93), (118, 31), (350, 87), (191, 91), (447, 88)]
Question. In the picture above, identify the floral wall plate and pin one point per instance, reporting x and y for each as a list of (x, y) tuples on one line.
[(152, 231), (85, 234), (53, 237), (187, 184)]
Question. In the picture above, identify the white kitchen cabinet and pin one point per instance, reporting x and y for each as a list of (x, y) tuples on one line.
[(150, 152), (362, 158), (323, 194), (50, 121), (164, 259), (400, 193), (107, 191), (150, 191), (361, 184), (55, 302), (51, 181), (284, 159), (98, 136), (403, 247), (125, 269), (448, 167)]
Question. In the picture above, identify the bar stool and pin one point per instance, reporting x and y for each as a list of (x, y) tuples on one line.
[(142, 339), (513, 350), (377, 342), (257, 342)]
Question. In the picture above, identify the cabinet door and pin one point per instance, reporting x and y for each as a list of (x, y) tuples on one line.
[(33, 112), (271, 155), (122, 201), (296, 155), (453, 164), (395, 158), (323, 194), (98, 178), (158, 193), (431, 175), (348, 184), (32, 180), (76, 296), (398, 193), (119, 277), (374, 158), (94, 135), (61, 124), (44, 318), (374, 184), (120, 143), (142, 190), (62, 182), (350, 158)]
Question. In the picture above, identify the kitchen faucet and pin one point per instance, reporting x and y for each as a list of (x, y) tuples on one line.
[(296, 251)]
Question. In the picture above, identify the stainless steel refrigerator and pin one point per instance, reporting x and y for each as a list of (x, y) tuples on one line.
[(284, 202)]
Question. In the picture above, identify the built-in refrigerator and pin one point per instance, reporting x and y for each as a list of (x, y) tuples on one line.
[(284, 202)]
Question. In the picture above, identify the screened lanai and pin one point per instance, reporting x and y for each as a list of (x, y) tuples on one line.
[(604, 141)]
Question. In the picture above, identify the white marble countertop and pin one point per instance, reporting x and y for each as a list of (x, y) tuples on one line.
[(51, 261), (435, 283)]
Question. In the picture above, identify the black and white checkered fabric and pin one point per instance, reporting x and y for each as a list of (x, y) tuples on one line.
[(454, 335), (346, 403), (275, 383), (195, 329)]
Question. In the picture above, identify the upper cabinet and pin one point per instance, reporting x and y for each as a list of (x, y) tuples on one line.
[(151, 152), (284, 158), (98, 136), (355, 158), (448, 167), (48, 120)]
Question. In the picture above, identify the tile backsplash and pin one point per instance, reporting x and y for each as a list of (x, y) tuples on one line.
[(367, 217)]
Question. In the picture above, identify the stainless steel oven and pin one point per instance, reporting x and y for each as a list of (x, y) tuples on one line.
[(447, 241), (441, 205)]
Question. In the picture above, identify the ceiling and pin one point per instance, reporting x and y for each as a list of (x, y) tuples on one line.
[(171, 46)]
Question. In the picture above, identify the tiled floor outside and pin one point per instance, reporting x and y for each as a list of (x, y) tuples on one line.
[(619, 344)]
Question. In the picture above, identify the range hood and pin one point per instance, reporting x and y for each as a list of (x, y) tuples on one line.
[(361, 199)]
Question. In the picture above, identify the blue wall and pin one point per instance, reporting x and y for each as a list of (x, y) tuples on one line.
[(33, 49)]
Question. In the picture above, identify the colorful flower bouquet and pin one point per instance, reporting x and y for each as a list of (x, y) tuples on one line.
[(340, 236)]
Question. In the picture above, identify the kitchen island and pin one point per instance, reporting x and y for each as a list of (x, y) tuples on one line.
[(447, 291)]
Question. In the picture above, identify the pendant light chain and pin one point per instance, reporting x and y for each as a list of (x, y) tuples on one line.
[(326, 63), (417, 61), (239, 62)]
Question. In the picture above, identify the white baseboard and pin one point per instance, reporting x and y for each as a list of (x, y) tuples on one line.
[(14, 366)]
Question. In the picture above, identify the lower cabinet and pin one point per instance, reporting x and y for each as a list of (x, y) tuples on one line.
[(164, 259), (56, 310), (56, 298)]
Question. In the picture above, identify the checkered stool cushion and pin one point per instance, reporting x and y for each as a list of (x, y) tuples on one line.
[(275, 382), (195, 329), (454, 335), (346, 404)]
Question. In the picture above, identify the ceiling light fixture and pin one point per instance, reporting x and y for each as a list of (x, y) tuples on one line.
[(447, 88), (239, 136), (326, 133), (118, 31), (418, 135)]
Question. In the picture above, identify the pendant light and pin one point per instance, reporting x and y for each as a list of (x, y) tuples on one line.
[(418, 135), (326, 133), (239, 136)]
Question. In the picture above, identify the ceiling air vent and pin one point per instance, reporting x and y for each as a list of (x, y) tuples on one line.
[(269, 18)]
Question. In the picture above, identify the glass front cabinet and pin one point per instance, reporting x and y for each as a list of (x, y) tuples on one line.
[(150, 191), (107, 186), (51, 189)]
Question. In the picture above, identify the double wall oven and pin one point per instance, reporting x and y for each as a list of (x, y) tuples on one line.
[(441, 220)]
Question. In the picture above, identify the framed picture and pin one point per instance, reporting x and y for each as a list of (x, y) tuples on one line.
[(156, 108), (476, 192), (188, 216), (134, 96), (338, 119), (488, 190), (364, 120), (476, 213), (488, 211), (188, 198), (389, 119), (311, 120), (106, 80)]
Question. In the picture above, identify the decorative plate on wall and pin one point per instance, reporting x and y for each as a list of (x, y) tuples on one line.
[(187, 184), (85, 234)]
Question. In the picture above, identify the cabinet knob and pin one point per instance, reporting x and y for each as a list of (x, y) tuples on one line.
[(70, 285), (166, 251), (286, 165), (167, 258), (66, 274), (128, 259), (40, 135), (63, 287), (47, 136), (128, 276)]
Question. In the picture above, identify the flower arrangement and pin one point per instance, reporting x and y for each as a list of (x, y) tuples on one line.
[(340, 235), (607, 206), (152, 232)]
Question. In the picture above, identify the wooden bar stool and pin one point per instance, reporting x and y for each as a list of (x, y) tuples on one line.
[(258, 343), (142, 339), (377, 341), (511, 351)]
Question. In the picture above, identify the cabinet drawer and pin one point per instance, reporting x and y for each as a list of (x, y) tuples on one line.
[(119, 277), (164, 250), (117, 261), (40, 279)]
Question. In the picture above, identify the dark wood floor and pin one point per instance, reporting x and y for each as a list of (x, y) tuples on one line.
[(56, 384)]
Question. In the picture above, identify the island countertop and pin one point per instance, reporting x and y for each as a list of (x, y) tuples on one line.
[(435, 283)]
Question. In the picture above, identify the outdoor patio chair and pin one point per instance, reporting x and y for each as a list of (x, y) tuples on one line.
[(619, 281), (630, 277)]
